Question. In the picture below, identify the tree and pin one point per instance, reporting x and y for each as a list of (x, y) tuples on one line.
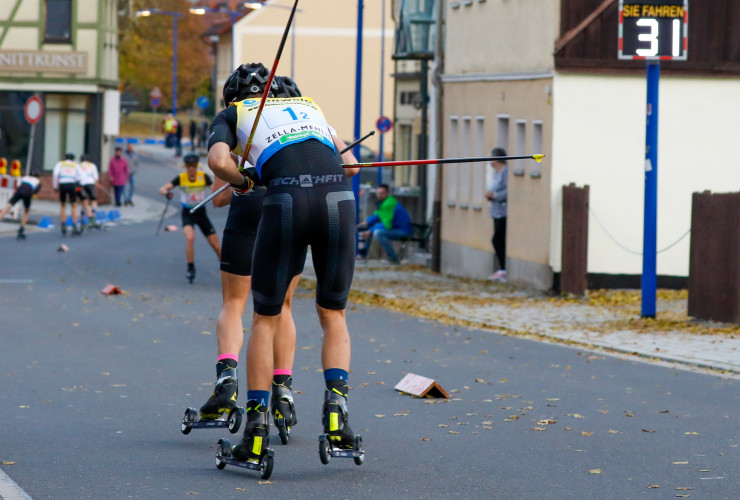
[(145, 52)]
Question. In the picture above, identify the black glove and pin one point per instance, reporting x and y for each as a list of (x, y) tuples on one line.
[(169, 196), (251, 179)]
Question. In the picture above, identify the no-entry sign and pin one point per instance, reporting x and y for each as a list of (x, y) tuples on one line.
[(33, 109)]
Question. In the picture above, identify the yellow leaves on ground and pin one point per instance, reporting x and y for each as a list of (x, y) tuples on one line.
[(594, 471), (7, 462)]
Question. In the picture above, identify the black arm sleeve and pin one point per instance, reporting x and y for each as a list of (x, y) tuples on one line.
[(223, 128), (209, 181), (175, 181)]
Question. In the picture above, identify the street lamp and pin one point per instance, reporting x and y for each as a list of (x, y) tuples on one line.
[(175, 16), (259, 5), (199, 11)]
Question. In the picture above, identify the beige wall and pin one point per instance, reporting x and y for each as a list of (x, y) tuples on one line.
[(325, 57), (501, 36)]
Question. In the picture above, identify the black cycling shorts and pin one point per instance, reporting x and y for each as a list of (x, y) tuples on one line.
[(68, 192), (23, 193), (87, 192), (240, 232), (300, 209), (200, 219)]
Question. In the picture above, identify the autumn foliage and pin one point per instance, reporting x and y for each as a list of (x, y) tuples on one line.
[(145, 52)]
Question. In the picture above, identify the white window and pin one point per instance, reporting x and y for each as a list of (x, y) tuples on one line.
[(535, 170), (479, 169), (520, 143), (450, 176), (502, 132), (463, 169)]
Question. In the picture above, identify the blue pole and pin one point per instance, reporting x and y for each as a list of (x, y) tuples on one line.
[(174, 65), (650, 235), (382, 90), (358, 102)]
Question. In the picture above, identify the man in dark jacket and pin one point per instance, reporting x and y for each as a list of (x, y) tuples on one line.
[(390, 221)]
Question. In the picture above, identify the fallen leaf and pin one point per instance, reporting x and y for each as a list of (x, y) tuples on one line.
[(539, 428), (680, 463), (205, 332), (453, 432), (594, 471), (7, 463), (264, 482), (240, 489), (587, 433), (380, 416), (504, 380), (567, 429), (691, 433), (426, 439), (613, 432), (546, 422), (684, 488), (654, 486), (647, 430)]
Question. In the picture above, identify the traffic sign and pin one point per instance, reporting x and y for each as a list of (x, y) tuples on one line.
[(653, 29), (33, 109), (155, 102), (203, 102), (384, 124), (155, 93)]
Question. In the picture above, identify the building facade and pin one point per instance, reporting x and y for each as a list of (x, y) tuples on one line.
[(66, 53), (544, 77)]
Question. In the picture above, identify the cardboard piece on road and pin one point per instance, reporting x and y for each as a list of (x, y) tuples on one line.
[(171, 227), (422, 387), (63, 248), (110, 290)]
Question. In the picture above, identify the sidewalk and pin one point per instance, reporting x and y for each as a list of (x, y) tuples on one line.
[(145, 208), (608, 321)]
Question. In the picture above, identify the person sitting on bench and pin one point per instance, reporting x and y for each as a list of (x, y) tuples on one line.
[(390, 221)]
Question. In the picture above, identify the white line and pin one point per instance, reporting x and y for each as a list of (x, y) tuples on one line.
[(9, 490)]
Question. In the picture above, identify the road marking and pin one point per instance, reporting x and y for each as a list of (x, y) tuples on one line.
[(9, 490)]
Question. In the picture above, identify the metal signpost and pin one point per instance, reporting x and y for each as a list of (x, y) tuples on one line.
[(32, 110), (652, 30)]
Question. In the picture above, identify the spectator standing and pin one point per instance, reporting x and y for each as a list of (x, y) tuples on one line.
[(132, 158), (66, 180), (193, 131), (496, 192), (178, 139), (118, 174), (389, 222)]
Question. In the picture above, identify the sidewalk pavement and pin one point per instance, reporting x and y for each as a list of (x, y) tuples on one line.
[(607, 321)]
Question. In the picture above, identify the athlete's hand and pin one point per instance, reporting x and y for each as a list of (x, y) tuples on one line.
[(244, 187), (169, 196)]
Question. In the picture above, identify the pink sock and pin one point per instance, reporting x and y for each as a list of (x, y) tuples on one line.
[(226, 355), (283, 372)]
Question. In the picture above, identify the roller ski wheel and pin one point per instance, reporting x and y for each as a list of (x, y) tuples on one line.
[(283, 410), (225, 456), (327, 450), (231, 420)]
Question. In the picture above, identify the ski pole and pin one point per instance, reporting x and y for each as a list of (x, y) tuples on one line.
[(222, 188), (169, 197), (439, 161)]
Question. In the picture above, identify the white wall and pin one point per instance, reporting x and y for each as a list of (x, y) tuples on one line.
[(599, 140)]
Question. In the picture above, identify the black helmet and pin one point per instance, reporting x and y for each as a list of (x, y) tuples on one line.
[(287, 87), (246, 80), (69, 156), (191, 158)]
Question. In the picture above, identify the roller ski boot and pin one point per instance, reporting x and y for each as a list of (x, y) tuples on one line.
[(283, 411), (253, 452), (190, 275), (20, 236), (338, 439), (219, 411)]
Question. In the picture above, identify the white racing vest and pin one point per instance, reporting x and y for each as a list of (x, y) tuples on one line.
[(283, 122)]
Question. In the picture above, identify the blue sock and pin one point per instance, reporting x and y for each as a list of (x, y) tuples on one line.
[(336, 374), (261, 398)]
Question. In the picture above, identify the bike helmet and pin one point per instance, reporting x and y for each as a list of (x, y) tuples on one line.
[(191, 158), (247, 80), (287, 87)]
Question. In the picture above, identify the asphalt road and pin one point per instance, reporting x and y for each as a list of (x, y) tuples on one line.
[(93, 389)]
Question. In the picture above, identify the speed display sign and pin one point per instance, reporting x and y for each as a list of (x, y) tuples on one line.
[(653, 29)]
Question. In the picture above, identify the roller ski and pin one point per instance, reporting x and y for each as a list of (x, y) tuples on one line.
[(283, 411), (219, 411), (190, 275), (253, 452), (338, 439)]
